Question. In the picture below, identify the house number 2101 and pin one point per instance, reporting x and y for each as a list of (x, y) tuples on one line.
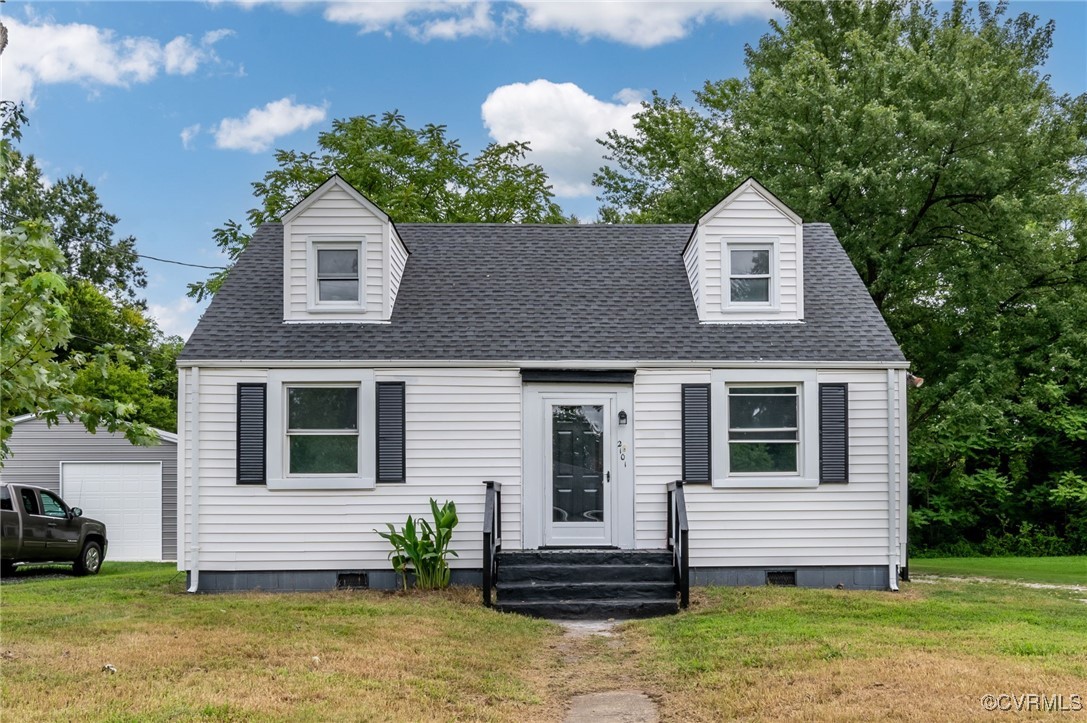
[(622, 452)]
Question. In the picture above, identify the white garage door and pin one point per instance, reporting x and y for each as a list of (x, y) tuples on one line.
[(127, 496)]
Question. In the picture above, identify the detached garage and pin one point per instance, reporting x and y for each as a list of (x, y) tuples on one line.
[(133, 490)]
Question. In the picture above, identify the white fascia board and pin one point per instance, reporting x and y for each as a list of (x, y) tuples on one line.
[(164, 435), (350, 190), (532, 364), (758, 188), (335, 321), (160, 433)]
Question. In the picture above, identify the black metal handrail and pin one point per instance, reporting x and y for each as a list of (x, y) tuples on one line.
[(492, 537), (677, 541)]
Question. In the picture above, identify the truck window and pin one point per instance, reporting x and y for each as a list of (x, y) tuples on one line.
[(5, 499), (30, 502), (52, 506)]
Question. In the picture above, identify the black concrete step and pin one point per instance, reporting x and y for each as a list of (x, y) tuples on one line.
[(562, 591), (592, 609), (584, 584), (586, 557), (564, 572)]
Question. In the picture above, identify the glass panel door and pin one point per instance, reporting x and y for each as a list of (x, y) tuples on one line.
[(577, 463)]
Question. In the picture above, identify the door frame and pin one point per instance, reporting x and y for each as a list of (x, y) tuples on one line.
[(618, 458)]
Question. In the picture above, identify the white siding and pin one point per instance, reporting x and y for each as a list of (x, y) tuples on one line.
[(333, 213), (691, 258), (828, 525), (398, 259), (463, 427), (750, 216)]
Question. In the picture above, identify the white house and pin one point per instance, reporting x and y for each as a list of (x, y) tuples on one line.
[(350, 369)]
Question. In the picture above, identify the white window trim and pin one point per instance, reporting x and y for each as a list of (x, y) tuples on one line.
[(315, 243), (278, 476), (739, 243), (807, 457)]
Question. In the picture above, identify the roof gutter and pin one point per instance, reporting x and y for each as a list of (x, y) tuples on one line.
[(194, 513), (533, 364)]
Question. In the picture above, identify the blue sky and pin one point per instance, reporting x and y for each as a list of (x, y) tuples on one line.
[(173, 109)]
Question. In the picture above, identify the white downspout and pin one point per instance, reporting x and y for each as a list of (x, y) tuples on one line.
[(194, 532), (892, 483)]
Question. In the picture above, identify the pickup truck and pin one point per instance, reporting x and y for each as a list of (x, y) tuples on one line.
[(37, 526)]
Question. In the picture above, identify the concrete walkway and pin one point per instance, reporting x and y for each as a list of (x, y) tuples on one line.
[(613, 706), (617, 706)]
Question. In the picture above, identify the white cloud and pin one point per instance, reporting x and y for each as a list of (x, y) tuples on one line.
[(561, 122), (260, 127), (419, 19), (644, 24), (634, 22), (188, 133), (44, 52), (180, 56), (178, 317)]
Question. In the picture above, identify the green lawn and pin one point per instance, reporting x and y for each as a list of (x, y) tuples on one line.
[(1057, 570), (929, 652)]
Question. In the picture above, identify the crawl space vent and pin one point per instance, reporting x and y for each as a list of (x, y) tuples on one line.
[(781, 577), (352, 580)]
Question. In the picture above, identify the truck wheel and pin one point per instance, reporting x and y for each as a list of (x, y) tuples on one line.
[(90, 560), (7, 569)]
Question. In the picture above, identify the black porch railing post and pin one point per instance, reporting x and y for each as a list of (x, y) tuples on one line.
[(492, 537), (677, 541)]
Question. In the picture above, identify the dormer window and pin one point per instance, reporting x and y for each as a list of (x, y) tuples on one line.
[(750, 269), (336, 274), (745, 260)]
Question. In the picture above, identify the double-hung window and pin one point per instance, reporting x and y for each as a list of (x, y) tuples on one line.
[(763, 429), (750, 276), (337, 274), (322, 430)]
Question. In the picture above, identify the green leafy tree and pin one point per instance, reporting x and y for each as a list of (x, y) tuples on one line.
[(414, 175), (954, 176), (33, 324), (98, 319), (148, 380)]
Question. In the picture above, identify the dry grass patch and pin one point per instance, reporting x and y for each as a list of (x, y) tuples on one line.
[(343, 655), (928, 653)]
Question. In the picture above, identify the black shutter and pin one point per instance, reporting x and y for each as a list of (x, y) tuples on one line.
[(252, 432), (390, 431), (833, 433), (696, 432)]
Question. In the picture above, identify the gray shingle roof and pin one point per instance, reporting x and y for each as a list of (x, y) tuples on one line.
[(544, 293)]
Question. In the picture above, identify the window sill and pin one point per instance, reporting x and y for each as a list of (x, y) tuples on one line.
[(321, 483), (734, 483), (336, 308)]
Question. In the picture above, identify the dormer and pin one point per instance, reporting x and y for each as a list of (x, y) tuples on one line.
[(745, 260), (342, 258)]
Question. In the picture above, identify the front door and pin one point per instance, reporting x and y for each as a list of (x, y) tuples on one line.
[(578, 466), (578, 470)]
